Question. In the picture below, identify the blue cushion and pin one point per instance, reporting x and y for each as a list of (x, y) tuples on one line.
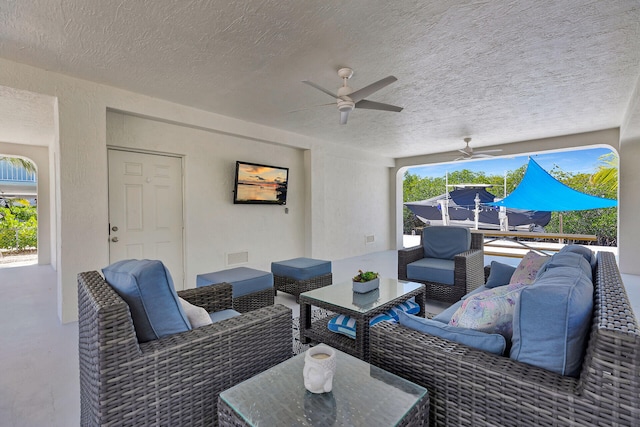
[(500, 274), (566, 259), (445, 241), (301, 268), (432, 270), (552, 321), (446, 314), (493, 343), (146, 286), (384, 317), (217, 316), (344, 325), (243, 280), (409, 307), (582, 250)]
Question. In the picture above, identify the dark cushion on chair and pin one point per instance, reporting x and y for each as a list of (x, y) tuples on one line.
[(432, 270), (147, 288), (445, 242)]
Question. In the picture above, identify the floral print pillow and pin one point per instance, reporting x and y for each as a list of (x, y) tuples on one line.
[(490, 311), (528, 268)]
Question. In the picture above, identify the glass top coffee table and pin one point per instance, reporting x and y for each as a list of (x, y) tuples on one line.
[(362, 395), (339, 298)]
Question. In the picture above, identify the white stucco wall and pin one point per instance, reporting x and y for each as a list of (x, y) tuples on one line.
[(214, 226), (629, 190), (79, 166)]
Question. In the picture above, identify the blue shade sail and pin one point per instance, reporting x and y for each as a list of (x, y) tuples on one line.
[(540, 191)]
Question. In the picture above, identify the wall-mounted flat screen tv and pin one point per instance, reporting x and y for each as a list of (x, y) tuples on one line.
[(260, 184)]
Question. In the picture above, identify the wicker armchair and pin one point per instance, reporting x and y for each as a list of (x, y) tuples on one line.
[(473, 388), (174, 380), (468, 270)]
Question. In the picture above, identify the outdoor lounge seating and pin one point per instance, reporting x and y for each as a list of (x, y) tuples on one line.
[(473, 387), (175, 379), (449, 261)]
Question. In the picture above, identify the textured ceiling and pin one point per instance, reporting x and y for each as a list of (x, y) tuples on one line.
[(498, 71)]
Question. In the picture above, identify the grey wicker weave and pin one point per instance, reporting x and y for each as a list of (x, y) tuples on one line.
[(295, 287), (173, 381), (254, 301), (468, 273), (472, 388)]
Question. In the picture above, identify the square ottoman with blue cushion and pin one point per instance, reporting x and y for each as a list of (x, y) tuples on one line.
[(298, 275), (252, 289)]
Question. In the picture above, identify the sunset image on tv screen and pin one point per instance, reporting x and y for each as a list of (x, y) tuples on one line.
[(258, 183)]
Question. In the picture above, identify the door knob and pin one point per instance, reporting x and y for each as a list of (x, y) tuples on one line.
[(114, 228), (114, 239)]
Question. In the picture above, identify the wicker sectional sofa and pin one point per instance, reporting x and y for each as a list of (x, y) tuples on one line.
[(471, 387)]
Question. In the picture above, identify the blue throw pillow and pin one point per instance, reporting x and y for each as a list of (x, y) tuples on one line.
[(492, 343), (500, 274), (147, 288)]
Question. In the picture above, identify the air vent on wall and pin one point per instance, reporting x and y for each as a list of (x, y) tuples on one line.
[(237, 258)]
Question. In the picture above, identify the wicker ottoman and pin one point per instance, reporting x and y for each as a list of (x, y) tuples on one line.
[(252, 289), (298, 275)]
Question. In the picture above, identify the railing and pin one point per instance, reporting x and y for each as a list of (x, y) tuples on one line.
[(9, 172), (18, 239)]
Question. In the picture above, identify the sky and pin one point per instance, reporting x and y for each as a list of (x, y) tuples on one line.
[(575, 161)]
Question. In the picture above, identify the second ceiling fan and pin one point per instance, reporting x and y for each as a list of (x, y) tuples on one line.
[(468, 152), (348, 99)]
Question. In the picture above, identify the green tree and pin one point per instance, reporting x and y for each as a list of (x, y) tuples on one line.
[(601, 222), (607, 174)]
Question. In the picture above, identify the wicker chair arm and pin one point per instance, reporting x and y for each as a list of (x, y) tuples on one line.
[(469, 269), (407, 256), (212, 298), (264, 321)]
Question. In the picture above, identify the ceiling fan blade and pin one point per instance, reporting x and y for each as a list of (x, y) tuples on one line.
[(320, 88), (344, 115), (361, 94), (311, 108), (371, 105), (463, 152), (482, 156), (488, 151)]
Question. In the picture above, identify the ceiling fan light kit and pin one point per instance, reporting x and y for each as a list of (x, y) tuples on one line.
[(347, 99)]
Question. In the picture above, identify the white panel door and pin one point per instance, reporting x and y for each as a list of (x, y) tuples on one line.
[(145, 209)]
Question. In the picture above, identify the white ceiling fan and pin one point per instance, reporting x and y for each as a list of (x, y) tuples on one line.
[(468, 152), (348, 99)]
